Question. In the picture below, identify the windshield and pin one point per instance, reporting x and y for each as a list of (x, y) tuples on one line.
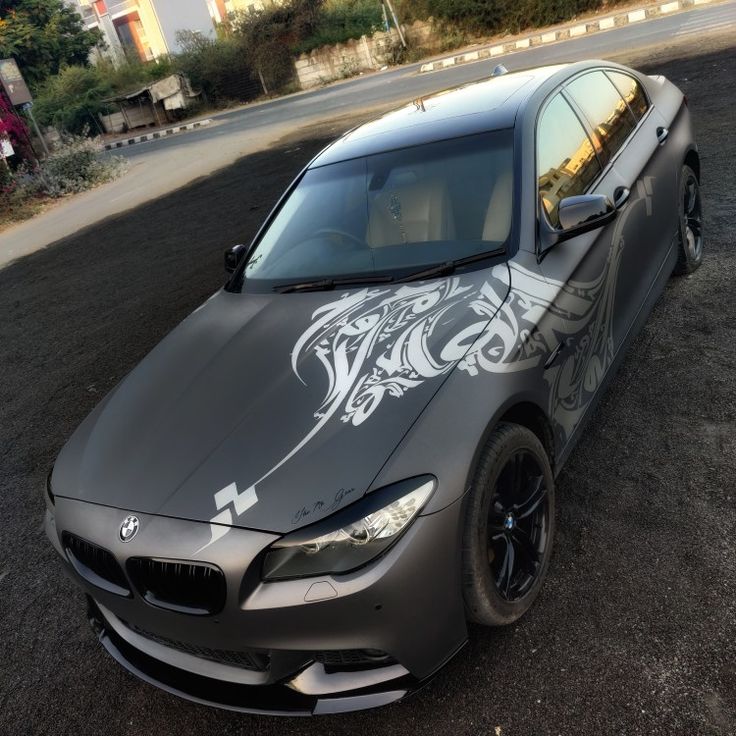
[(391, 212)]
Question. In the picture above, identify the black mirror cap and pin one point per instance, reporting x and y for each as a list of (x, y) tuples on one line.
[(585, 209), (579, 214), (233, 257)]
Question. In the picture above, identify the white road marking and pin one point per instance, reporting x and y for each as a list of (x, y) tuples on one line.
[(727, 14), (706, 27)]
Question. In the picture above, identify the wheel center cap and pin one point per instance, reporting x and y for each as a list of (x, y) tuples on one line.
[(509, 522)]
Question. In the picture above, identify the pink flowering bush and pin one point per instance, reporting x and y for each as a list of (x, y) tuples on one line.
[(12, 126)]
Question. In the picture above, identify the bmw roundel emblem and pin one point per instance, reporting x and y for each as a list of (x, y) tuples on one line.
[(129, 528)]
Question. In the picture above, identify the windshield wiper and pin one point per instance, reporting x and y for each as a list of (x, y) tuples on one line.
[(440, 269), (445, 269), (329, 284)]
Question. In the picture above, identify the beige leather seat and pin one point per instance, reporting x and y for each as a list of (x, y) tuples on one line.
[(410, 209)]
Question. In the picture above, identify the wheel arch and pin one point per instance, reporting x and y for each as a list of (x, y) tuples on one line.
[(526, 413), (531, 416), (692, 159)]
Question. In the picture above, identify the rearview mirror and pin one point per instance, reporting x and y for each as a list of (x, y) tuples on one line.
[(233, 257), (579, 214)]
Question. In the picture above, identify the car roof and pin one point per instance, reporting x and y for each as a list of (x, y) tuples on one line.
[(472, 108)]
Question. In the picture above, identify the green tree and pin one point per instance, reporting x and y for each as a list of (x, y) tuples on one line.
[(72, 99), (43, 36), (269, 37)]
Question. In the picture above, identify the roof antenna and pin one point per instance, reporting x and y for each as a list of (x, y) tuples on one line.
[(499, 71)]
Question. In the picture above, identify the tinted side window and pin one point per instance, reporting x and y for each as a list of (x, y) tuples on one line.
[(605, 109), (632, 92), (566, 160)]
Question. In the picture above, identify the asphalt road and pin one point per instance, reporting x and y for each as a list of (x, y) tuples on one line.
[(402, 84), (161, 166), (634, 631)]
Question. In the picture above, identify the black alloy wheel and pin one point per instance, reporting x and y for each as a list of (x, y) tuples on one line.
[(518, 526), (509, 526), (690, 251)]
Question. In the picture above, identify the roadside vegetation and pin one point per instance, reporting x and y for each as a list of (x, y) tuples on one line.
[(43, 36), (72, 100), (73, 165), (481, 17)]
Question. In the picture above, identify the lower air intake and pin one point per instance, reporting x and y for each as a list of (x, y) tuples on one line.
[(255, 661), (347, 659)]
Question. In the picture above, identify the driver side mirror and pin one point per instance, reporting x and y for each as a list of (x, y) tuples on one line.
[(233, 256), (585, 212), (579, 214)]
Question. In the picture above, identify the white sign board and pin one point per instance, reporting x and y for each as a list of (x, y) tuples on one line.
[(6, 148)]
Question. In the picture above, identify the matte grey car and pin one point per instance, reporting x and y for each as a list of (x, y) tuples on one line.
[(298, 499)]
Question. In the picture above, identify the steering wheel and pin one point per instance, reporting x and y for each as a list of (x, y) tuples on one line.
[(356, 243)]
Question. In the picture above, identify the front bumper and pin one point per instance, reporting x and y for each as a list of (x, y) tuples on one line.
[(274, 699), (406, 605)]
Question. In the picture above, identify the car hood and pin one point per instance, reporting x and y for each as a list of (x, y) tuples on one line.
[(271, 411)]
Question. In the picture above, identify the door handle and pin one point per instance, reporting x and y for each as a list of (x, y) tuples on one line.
[(662, 134), (555, 354), (621, 197)]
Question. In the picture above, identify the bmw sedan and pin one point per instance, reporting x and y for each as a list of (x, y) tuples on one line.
[(301, 496)]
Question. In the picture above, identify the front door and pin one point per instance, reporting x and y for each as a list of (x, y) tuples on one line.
[(582, 324)]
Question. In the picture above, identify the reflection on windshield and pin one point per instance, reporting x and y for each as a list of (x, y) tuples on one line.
[(392, 211)]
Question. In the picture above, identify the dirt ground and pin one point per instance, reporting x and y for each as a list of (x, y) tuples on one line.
[(634, 632)]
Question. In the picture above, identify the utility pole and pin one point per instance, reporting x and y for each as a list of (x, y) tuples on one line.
[(396, 22), (386, 26), (28, 108), (263, 81)]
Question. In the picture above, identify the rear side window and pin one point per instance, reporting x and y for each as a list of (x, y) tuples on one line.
[(605, 110), (566, 161), (632, 92)]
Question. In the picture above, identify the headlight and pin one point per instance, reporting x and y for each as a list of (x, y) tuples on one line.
[(352, 537)]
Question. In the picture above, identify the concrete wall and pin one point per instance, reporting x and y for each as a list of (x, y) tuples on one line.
[(342, 60)]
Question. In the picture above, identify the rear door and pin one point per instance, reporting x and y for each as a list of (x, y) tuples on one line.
[(645, 165)]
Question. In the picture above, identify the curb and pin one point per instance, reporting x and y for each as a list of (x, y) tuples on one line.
[(156, 135), (563, 34)]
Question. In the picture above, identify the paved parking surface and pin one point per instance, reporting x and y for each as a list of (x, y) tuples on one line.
[(635, 630)]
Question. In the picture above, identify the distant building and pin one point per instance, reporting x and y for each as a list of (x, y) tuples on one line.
[(220, 9), (146, 27)]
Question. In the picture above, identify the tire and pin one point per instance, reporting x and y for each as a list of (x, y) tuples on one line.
[(499, 515), (690, 233)]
